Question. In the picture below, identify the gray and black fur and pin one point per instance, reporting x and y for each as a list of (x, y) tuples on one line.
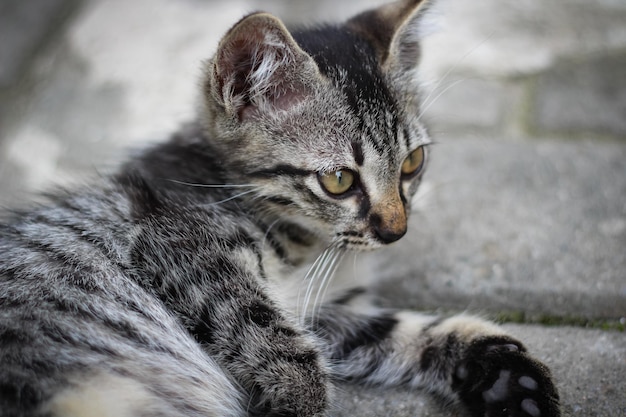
[(193, 282)]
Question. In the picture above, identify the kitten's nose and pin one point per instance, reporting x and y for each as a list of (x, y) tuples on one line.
[(390, 225), (387, 236)]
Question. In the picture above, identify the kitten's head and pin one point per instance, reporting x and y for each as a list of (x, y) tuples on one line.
[(324, 121)]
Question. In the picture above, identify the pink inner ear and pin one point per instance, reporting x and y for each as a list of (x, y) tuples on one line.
[(289, 98), (248, 112), (258, 68), (279, 99), (235, 63)]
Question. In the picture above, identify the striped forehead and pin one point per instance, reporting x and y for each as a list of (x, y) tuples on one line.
[(380, 131), (379, 163), (351, 64), (392, 142)]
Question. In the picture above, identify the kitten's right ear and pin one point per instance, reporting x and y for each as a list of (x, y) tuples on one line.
[(259, 68), (394, 30)]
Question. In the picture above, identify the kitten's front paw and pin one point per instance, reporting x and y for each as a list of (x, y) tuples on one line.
[(497, 378), (295, 385)]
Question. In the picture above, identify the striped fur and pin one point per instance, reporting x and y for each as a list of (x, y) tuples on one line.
[(195, 280)]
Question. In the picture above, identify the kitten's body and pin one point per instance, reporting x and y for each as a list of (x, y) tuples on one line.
[(175, 287)]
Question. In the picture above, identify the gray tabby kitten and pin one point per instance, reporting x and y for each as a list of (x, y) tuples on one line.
[(172, 288)]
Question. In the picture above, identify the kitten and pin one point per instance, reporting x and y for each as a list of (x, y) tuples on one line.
[(175, 287)]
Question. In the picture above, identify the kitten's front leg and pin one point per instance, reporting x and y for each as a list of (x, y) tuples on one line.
[(462, 359), (278, 364), (220, 297)]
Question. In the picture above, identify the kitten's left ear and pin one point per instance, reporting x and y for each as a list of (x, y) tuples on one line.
[(259, 68), (395, 31)]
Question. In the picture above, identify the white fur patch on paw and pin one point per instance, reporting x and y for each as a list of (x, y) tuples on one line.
[(528, 383), (531, 407), (500, 389)]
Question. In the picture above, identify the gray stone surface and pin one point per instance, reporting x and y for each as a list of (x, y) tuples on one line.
[(472, 105), (532, 226), (483, 63), (514, 216), (581, 97)]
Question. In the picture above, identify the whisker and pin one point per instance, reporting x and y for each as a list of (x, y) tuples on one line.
[(253, 186), (425, 107), (328, 266), (449, 71), (356, 254), (325, 285), (190, 184), (267, 232), (311, 277), (228, 199), (301, 308), (424, 199)]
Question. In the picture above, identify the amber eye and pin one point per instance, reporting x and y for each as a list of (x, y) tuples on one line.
[(413, 162), (337, 182)]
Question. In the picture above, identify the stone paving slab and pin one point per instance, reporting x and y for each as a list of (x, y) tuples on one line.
[(579, 97), (588, 366), (506, 38), (528, 68), (531, 226)]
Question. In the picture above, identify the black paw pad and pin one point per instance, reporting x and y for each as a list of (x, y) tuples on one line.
[(497, 378)]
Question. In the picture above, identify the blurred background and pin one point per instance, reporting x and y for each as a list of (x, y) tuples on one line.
[(522, 216), (79, 79)]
